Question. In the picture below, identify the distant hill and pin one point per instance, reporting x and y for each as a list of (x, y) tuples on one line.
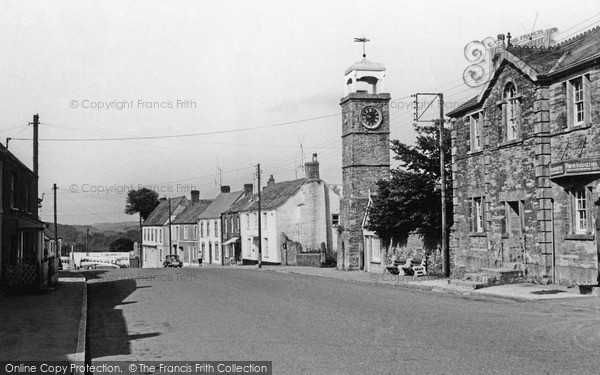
[(101, 235)]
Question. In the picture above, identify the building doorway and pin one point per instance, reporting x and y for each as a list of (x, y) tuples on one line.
[(512, 243)]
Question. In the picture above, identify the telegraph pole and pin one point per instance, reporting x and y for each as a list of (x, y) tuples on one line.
[(259, 219), (36, 122), (56, 223), (445, 247), (170, 244)]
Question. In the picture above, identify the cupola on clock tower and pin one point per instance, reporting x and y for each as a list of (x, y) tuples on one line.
[(365, 154)]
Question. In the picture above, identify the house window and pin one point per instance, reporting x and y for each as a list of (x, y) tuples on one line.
[(578, 101), (249, 247), (185, 232), (264, 223), (216, 226), (512, 112), (476, 131), (195, 232), (581, 210), (202, 252), (476, 214), (255, 220), (217, 251), (266, 247), (247, 220), (233, 228), (226, 225), (13, 190), (160, 235), (335, 219), (375, 249)]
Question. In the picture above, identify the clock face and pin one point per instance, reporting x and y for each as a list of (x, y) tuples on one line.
[(371, 117)]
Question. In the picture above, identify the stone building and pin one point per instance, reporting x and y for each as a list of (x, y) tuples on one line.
[(526, 162), (365, 154)]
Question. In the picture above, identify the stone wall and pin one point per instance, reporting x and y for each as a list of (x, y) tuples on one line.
[(518, 173)]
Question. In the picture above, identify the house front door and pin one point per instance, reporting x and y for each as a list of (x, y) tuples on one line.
[(513, 245)]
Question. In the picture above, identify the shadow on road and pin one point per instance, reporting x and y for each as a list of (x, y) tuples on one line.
[(107, 328)]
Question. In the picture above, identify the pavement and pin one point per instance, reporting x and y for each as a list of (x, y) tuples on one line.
[(522, 292), (48, 326), (52, 325)]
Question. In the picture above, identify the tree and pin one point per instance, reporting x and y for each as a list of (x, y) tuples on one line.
[(411, 200), (121, 245), (142, 201)]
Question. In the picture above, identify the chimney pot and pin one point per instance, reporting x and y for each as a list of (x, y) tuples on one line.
[(271, 181), (312, 168), (225, 189), (248, 189), (195, 196)]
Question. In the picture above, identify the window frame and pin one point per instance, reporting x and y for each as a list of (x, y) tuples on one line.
[(511, 112), (578, 101), (476, 131)]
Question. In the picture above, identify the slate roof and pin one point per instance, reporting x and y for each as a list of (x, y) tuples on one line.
[(9, 156), (272, 196), (241, 205), (192, 212), (161, 213), (580, 48), (471, 103), (220, 204)]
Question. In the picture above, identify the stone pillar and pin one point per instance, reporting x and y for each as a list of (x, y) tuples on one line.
[(541, 111)]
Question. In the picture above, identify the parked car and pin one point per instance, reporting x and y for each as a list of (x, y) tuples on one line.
[(65, 264), (172, 261)]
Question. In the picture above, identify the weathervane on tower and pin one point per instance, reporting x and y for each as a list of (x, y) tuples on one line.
[(362, 40)]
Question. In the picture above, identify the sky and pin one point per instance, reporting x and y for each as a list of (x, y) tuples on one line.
[(213, 88)]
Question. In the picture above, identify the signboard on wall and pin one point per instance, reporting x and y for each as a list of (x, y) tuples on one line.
[(575, 167)]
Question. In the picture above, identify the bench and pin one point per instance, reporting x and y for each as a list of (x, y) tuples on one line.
[(410, 267)]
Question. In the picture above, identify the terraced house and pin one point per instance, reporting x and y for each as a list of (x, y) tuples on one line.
[(156, 242), (526, 163), (185, 229)]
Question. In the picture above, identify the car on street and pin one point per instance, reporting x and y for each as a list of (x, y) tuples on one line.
[(172, 261)]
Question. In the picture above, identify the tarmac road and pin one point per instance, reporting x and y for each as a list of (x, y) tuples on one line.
[(316, 325)]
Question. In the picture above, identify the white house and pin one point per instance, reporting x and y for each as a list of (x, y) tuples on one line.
[(297, 219), (155, 231)]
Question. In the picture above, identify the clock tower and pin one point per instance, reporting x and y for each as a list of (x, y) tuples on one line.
[(365, 154)]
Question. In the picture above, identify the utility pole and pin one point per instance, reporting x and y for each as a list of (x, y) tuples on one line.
[(170, 244), (36, 122), (87, 235), (58, 251), (445, 247), (7, 140), (259, 219)]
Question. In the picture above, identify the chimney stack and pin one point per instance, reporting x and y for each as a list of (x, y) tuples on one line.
[(248, 189), (225, 189), (270, 181), (195, 196), (312, 168)]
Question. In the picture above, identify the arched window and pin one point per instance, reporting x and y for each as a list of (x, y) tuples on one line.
[(512, 112)]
